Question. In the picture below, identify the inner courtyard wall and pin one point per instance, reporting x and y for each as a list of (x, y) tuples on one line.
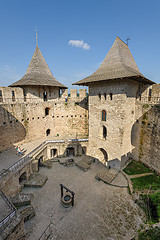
[(146, 135), (28, 121)]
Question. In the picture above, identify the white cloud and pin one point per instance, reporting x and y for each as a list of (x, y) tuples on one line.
[(79, 43)]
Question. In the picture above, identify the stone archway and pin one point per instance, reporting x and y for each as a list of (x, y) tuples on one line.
[(104, 159), (40, 162), (70, 151), (23, 178), (84, 150)]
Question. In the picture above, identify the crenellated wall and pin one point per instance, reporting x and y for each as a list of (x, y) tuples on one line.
[(28, 121)]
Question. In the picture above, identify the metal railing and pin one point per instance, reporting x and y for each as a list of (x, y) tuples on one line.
[(24, 160), (15, 166), (9, 216)]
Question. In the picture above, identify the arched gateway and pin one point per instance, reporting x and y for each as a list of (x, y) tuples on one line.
[(105, 156)]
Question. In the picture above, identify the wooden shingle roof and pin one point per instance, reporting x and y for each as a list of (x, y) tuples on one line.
[(38, 73), (119, 63)]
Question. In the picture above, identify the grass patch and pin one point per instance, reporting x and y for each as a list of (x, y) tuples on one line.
[(151, 234), (145, 106), (134, 168), (145, 182)]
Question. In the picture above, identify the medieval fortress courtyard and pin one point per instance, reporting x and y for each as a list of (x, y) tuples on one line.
[(82, 140)]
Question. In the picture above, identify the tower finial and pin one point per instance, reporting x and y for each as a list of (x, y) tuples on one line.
[(128, 38), (36, 38)]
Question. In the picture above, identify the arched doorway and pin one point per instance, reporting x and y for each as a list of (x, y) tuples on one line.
[(54, 152), (104, 158), (40, 162), (70, 151), (84, 150), (23, 178)]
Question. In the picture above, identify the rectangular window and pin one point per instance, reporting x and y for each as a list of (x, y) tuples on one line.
[(1, 99), (13, 96)]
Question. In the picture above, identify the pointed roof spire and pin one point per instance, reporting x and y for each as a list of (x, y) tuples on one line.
[(38, 73), (119, 63)]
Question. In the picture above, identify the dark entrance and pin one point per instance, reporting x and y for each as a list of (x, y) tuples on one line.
[(40, 162), (84, 150), (70, 151), (23, 178), (104, 154), (53, 152)]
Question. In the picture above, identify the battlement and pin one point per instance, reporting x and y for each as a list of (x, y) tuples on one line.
[(10, 95), (74, 93)]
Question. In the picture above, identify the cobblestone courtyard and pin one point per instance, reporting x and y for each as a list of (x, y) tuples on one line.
[(101, 211)]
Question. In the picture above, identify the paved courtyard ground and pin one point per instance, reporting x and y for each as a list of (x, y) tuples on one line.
[(101, 211)]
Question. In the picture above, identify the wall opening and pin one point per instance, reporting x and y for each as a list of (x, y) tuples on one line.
[(111, 96), (48, 131), (105, 96), (79, 150), (103, 115), (23, 178), (13, 96), (25, 95), (105, 155), (150, 94), (99, 95), (70, 152), (53, 152), (104, 132), (84, 150), (47, 111), (40, 162), (1, 97), (45, 96)]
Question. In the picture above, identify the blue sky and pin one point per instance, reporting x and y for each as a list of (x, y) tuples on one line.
[(95, 23)]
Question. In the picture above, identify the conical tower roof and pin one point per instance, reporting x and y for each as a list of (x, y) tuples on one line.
[(38, 73), (119, 63)]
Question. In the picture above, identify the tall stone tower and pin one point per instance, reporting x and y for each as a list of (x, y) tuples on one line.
[(113, 90)]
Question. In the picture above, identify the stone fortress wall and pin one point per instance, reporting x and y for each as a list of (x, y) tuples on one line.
[(123, 109), (145, 133), (28, 120)]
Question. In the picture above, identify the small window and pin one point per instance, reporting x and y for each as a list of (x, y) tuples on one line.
[(111, 96), (53, 152), (45, 96), (150, 94), (105, 96), (1, 99), (104, 132), (46, 111), (13, 96), (103, 115), (48, 131), (99, 95)]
